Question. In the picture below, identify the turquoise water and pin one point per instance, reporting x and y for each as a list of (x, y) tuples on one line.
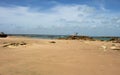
[(40, 36), (102, 38), (56, 36)]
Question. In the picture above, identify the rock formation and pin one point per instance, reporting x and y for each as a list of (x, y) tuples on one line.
[(2, 35), (115, 40), (73, 37)]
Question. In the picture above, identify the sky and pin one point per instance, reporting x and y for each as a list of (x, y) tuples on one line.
[(60, 17)]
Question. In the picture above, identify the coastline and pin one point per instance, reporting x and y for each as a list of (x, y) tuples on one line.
[(41, 36)]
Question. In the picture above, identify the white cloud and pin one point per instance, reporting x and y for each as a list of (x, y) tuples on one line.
[(22, 15), (62, 16)]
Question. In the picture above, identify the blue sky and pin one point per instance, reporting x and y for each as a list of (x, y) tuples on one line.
[(87, 17)]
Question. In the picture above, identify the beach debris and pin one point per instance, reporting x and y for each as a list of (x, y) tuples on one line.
[(14, 44), (3, 35), (52, 42)]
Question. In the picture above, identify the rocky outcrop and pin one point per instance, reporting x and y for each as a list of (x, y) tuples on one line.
[(115, 40), (2, 35), (73, 37)]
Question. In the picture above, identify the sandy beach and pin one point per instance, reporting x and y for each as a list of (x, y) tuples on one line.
[(28, 56)]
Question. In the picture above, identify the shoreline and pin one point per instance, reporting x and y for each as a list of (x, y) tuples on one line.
[(41, 36)]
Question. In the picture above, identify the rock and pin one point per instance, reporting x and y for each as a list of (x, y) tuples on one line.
[(52, 42), (2, 35), (5, 45), (15, 44), (113, 44), (115, 40), (73, 37), (23, 43), (114, 48)]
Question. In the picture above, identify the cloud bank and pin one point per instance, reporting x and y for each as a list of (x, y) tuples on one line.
[(60, 19)]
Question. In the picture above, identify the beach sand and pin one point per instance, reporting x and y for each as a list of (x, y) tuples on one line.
[(28, 56)]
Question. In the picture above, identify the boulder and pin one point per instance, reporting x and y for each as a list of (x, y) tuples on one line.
[(52, 42), (2, 35)]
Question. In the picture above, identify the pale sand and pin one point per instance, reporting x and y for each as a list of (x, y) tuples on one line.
[(65, 57)]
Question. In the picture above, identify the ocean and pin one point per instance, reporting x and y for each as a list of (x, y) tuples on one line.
[(40, 36), (57, 36)]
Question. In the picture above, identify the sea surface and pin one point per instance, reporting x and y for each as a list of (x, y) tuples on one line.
[(40, 36), (57, 36)]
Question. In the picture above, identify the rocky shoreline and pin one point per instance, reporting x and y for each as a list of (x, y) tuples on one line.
[(115, 40), (73, 37)]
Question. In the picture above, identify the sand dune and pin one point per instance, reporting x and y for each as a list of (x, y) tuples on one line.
[(27, 56)]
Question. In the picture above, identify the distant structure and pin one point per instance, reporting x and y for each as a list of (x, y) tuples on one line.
[(3, 35)]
